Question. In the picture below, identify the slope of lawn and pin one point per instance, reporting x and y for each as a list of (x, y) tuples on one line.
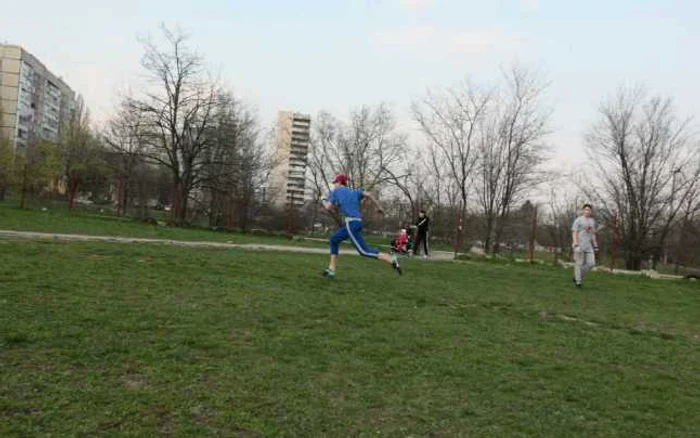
[(139, 340), (58, 219), (81, 221)]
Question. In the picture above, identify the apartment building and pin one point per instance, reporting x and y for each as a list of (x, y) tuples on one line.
[(288, 179), (34, 102)]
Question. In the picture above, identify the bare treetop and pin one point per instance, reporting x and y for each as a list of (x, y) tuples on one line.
[(177, 112), (646, 165)]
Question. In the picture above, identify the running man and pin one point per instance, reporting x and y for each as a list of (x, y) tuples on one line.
[(423, 225), (585, 244), (348, 201)]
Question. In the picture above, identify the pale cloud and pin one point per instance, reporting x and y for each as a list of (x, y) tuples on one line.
[(408, 36), (483, 40), (440, 40), (416, 5), (530, 5)]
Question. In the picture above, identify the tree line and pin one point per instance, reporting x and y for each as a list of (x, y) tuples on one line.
[(184, 142)]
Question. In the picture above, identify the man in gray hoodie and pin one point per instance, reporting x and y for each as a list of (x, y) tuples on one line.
[(585, 244)]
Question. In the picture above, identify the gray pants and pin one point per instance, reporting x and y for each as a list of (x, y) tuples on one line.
[(583, 263)]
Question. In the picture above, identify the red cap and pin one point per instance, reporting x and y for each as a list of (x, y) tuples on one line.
[(341, 179)]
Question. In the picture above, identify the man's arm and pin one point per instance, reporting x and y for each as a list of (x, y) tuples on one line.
[(327, 204), (574, 234), (369, 196)]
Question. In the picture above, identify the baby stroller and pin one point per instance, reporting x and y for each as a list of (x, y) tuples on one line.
[(403, 243)]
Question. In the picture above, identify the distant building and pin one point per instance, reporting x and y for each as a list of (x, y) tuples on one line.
[(288, 179), (34, 102)]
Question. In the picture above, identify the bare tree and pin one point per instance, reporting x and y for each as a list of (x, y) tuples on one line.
[(176, 112), (645, 167), (562, 209), (125, 143), (686, 247), (324, 157), (234, 165), (441, 193), (451, 120), (510, 150), (368, 149), (371, 147), (410, 181), (79, 151)]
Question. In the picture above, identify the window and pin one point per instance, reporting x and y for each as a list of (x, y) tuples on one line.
[(21, 133)]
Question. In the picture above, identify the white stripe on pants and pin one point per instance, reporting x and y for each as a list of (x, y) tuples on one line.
[(583, 263)]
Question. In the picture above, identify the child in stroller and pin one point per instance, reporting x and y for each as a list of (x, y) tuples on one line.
[(403, 242)]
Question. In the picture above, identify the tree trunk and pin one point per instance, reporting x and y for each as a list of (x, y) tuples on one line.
[(73, 189), (229, 214), (180, 203), (120, 195), (125, 197), (501, 221), (488, 242), (55, 190), (291, 218), (214, 210), (23, 196), (633, 261), (497, 237), (459, 237), (244, 212), (635, 264)]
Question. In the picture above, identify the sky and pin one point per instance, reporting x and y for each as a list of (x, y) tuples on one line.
[(312, 55)]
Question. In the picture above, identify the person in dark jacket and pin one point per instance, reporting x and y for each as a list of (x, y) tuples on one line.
[(422, 229)]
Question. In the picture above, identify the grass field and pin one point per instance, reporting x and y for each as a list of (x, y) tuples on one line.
[(139, 340), (61, 220), (92, 222), (81, 220)]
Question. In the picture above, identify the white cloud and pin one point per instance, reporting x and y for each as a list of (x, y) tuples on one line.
[(409, 36), (415, 5), (483, 40), (437, 40), (530, 5)]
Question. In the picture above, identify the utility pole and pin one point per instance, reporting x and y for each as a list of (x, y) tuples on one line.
[(615, 242), (460, 235), (533, 235)]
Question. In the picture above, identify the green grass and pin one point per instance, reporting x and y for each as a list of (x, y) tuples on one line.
[(58, 219), (142, 340), (91, 222)]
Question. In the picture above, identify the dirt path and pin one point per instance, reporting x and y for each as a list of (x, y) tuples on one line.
[(57, 237)]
